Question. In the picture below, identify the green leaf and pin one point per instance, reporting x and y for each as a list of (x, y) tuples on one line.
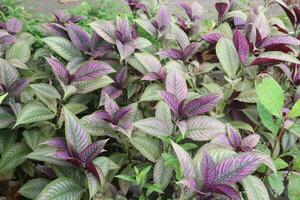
[(255, 188), (293, 187), (62, 47), (8, 73), (267, 119), (228, 57), (162, 174), (32, 188), (2, 97), (6, 118), (148, 147), (105, 164), (34, 112), (84, 87), (295, 112), (280, 164), (276, 183), (46, 90), (14, 156), (270, 95), (61, 188), (93, 184), (151, 93), (20, 50), (153, 126), (44, 153), (141, 178), (277, 55), (7, 138)]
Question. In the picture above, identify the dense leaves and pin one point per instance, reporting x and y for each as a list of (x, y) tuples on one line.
[(156, 103)]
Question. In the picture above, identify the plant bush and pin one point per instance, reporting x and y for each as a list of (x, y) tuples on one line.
[(157, 104)]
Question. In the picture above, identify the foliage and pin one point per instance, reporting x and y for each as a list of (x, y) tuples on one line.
[(155, 103)]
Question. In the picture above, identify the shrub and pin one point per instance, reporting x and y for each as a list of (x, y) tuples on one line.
[(161, 105)]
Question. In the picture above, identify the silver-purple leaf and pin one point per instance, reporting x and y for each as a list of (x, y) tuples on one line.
[(123, 113), (163, 19), (13, 25), (121, 76), (280, 40), (174, 54), (176, 85), (92, 70), (58, 142), (209, 172), (191, 183), (17, 87), (234, 137), (7, 40), (170, 100), (59, 69), (201, 105), (232, 170), (221, 8), (125, 49), (79, 37), (55, 29), (110, 105), (251, 140), (241, 44), (224, 190), (212, 38), (185, 161), (190, 50), (76, 136), (153, 126), (92, 151)]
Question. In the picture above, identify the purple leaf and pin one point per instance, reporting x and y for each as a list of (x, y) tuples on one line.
[(59, 143), (224, 190), (79, 37), (190, 50), (234, 138), (92, 151), (64, 155), (7, 40), (212, 38), (297, 12), (124, 50), (124, 30), (122, 113), (61, 16), (58, 69), (221, 8), (192, 184), (17, 87), (171, 101), (76, 19), (112, 91), (76, 136), (241, 45), (208, 170), (201, 105), (110, 105), (55, 29), (102, 51), (152, 76), (92, 70), (176, 85), (95, 41), (280, 40), (187, 8), (103, 115), (232, 170), (286, 9), (121, 76), (163, 19), (185, 161), (13, 25), (172, 54), (251, 140)]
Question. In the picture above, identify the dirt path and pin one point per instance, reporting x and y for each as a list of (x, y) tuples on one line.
[(48, 6)]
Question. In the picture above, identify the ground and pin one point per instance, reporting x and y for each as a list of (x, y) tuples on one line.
[(47, 6)]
